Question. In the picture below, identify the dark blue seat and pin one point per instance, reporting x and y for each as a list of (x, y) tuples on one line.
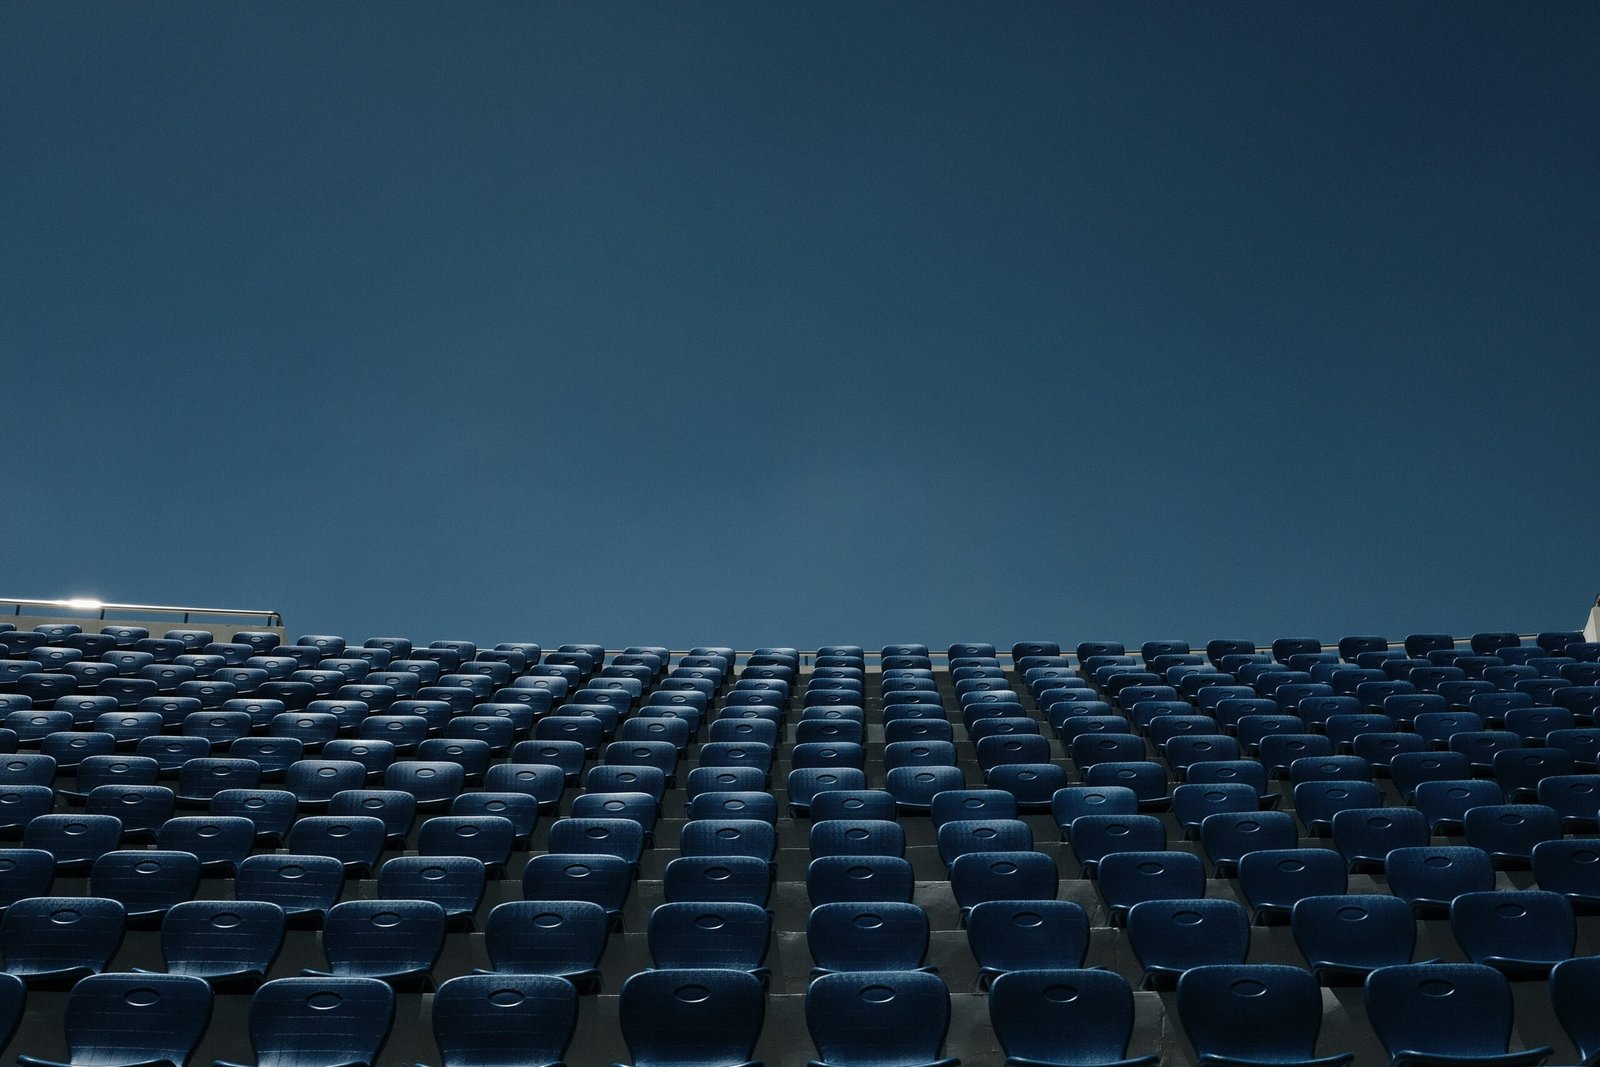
[(488, 839), (484, 1020), (717, 879), (1170, 936), (54, 941), (270, 811), (229, 943), (1522, 934), (145, 883), (913, 788), (1316, 803), (395, 808), (694, 934), (867, 936), (219, 842), (1410, 769), (76, 841), (319, 1022), (879, 1018), (858, 878), (396, 941), (543, 781), (21, 804), (1229, 836), (1068, 803), (1445, 803), (1058, 1017), (1192, 803), (1431, 876), (982, 876), (1570, 867), (1147, 779), (304, 886), (1275, 880), (1572, 986), (558, 938), (830, 804), (1509, 832), (1014, 935), (676, 1018), (1130, 878), (1445, 1015), (133, 1020), (1346, 937), (1094, 837), (1242, 1014), (356, 841), (602, 879), (455, 883), (857, 837), (26, 872), (622, 838)]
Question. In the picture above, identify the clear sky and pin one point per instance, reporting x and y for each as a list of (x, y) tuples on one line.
[(753, 323)]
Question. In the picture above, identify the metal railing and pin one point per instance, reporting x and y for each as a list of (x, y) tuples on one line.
[(86, 607)]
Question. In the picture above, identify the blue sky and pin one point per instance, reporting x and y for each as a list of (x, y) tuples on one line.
[(755, 323)]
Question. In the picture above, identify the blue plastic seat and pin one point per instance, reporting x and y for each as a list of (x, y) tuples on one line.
[(270, 811), (434, 783), (879, 1019), (1242, 1014), (1273, 881), (836, 804), (1316, 803), (544, 782), (229, 943), (1572, 986), (1509, 832), (1480, 746), (27, 768), (132, 1020), (496, 1020), (488, 839), (1171, 936), (1129, 878), (1410, 769), (977, 877), (1012, 935), (455, 883), (1522, 934), (1229, 836), (315, 781), (1520, 771), (858, 878), (857, 837), (1057, 1017), (1093, 837), (730, 837), (1192, 803), (559, 938), (1068, 803), (982, 835), (374, 756), (472, 753), (305, 887), (76, 841), (1346, 937), (622, 838), (867, 936), (356, 841), (319, 1022), (396, 941), (1570, 867), (717, 879), (273, 755), (1445, 1015), (24, 873), (696, 934), (54, 941), (1431, 876), (1445, 803), (21, 804), (395, 808), (220, 843), (914, 788), (679, 1018), (600, 878)]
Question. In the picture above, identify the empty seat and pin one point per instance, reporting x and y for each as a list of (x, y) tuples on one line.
[(692, 934), (1316, 803), (1522, 934), (319, 1022), (522, 1020), (1509, 832), (395, 808), (1253, 1014), (1445, 803), (977, 877), (1458, 1014), (485, 838), (396, 941), (675, 1017), (54, 941), (229, 943), (132, 1020), (914, 788), (220, 843), (145, 883), (879, 1019), (1344, 938), (603, 879), (1572, 986), (76, 841), (1011, 935), (354, 840), (1057, 1017), (867, 936), (717, 878), (836, 804), (1365, 836), (305, 887), (1275, 880), (860, 878), (270, 811), (1192, 803), (455, 883), (560, 938), (1229, 836), (1431, 876), (623, 838), (1069, 803), (25, 872), (1095, 836), (1130, 878), (1170, 936)]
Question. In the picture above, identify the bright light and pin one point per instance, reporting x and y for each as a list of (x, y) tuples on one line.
[(84, 604)]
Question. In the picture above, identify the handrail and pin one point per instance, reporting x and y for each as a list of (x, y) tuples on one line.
[(85, 606)]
